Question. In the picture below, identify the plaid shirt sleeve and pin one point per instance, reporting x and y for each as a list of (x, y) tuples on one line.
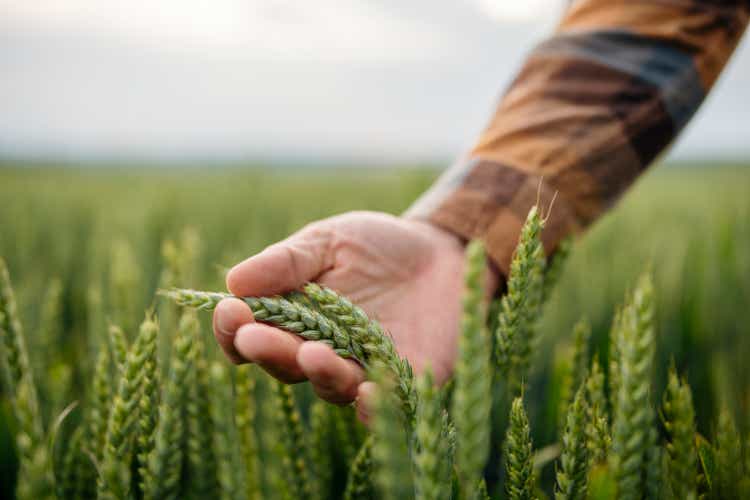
[(591, 108)]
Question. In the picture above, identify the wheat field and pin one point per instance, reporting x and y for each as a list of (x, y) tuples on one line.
[(629, 381)]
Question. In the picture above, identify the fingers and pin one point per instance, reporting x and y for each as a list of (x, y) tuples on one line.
[(365, 395), (333, 378), (272, 349), (229, 316), (284, 266)]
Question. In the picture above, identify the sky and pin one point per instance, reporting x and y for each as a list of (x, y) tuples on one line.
[(372, 81)]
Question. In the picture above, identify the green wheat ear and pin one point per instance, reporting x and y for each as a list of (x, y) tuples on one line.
[(147, 411), (370, 343), (35, 479), (472, 397), (390, 450), (432, 463), (114, 470), (519, 460), (679, 422), (597, 426), (245, 415), (574, 461), (201, 461), (295, 449), (728, 473), (634, 433), (230, 476), (519, 307), (359, 481), (164, 467)]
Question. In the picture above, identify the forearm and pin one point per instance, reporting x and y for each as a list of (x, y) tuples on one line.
[(592, 107)]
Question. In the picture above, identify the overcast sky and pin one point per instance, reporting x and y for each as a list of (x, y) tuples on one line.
[(377, 80)]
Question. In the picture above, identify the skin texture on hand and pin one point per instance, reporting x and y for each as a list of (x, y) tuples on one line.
[(405, 273)]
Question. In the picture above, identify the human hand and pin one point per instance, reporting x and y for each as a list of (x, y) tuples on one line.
[(407, 274)]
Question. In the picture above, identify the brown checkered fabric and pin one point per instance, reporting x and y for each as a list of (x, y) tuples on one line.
[(592, 107)]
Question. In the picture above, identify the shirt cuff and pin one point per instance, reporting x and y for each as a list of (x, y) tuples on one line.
[(482, 199)]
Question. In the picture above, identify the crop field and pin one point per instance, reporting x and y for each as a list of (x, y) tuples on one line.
[(617, 372)]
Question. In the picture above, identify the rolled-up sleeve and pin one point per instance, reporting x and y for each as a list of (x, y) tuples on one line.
[(591, 108)]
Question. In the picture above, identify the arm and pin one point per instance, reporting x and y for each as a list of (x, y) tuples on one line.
[(592, 107)]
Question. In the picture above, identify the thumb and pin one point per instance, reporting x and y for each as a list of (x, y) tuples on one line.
[(284, 266)]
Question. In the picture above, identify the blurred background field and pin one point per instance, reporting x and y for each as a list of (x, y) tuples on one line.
[(87, 228)]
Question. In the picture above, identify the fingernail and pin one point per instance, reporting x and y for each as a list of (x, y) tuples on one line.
[(224, 326)]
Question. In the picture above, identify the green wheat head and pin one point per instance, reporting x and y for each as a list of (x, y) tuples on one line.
[(679, 422), (574, 460), (359, 481), (35, 472), (598, 435), (520, 305), (472, 397), (245, 413), (519, 460), (114, 469), (390, 449), (230, 477), (633, 433), (432, 460), (161, 477), (295, 449)]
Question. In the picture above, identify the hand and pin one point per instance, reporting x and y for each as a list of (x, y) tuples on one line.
[(405, 273)]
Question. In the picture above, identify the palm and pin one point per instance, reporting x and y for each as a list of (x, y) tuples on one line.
[(407, 276)]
